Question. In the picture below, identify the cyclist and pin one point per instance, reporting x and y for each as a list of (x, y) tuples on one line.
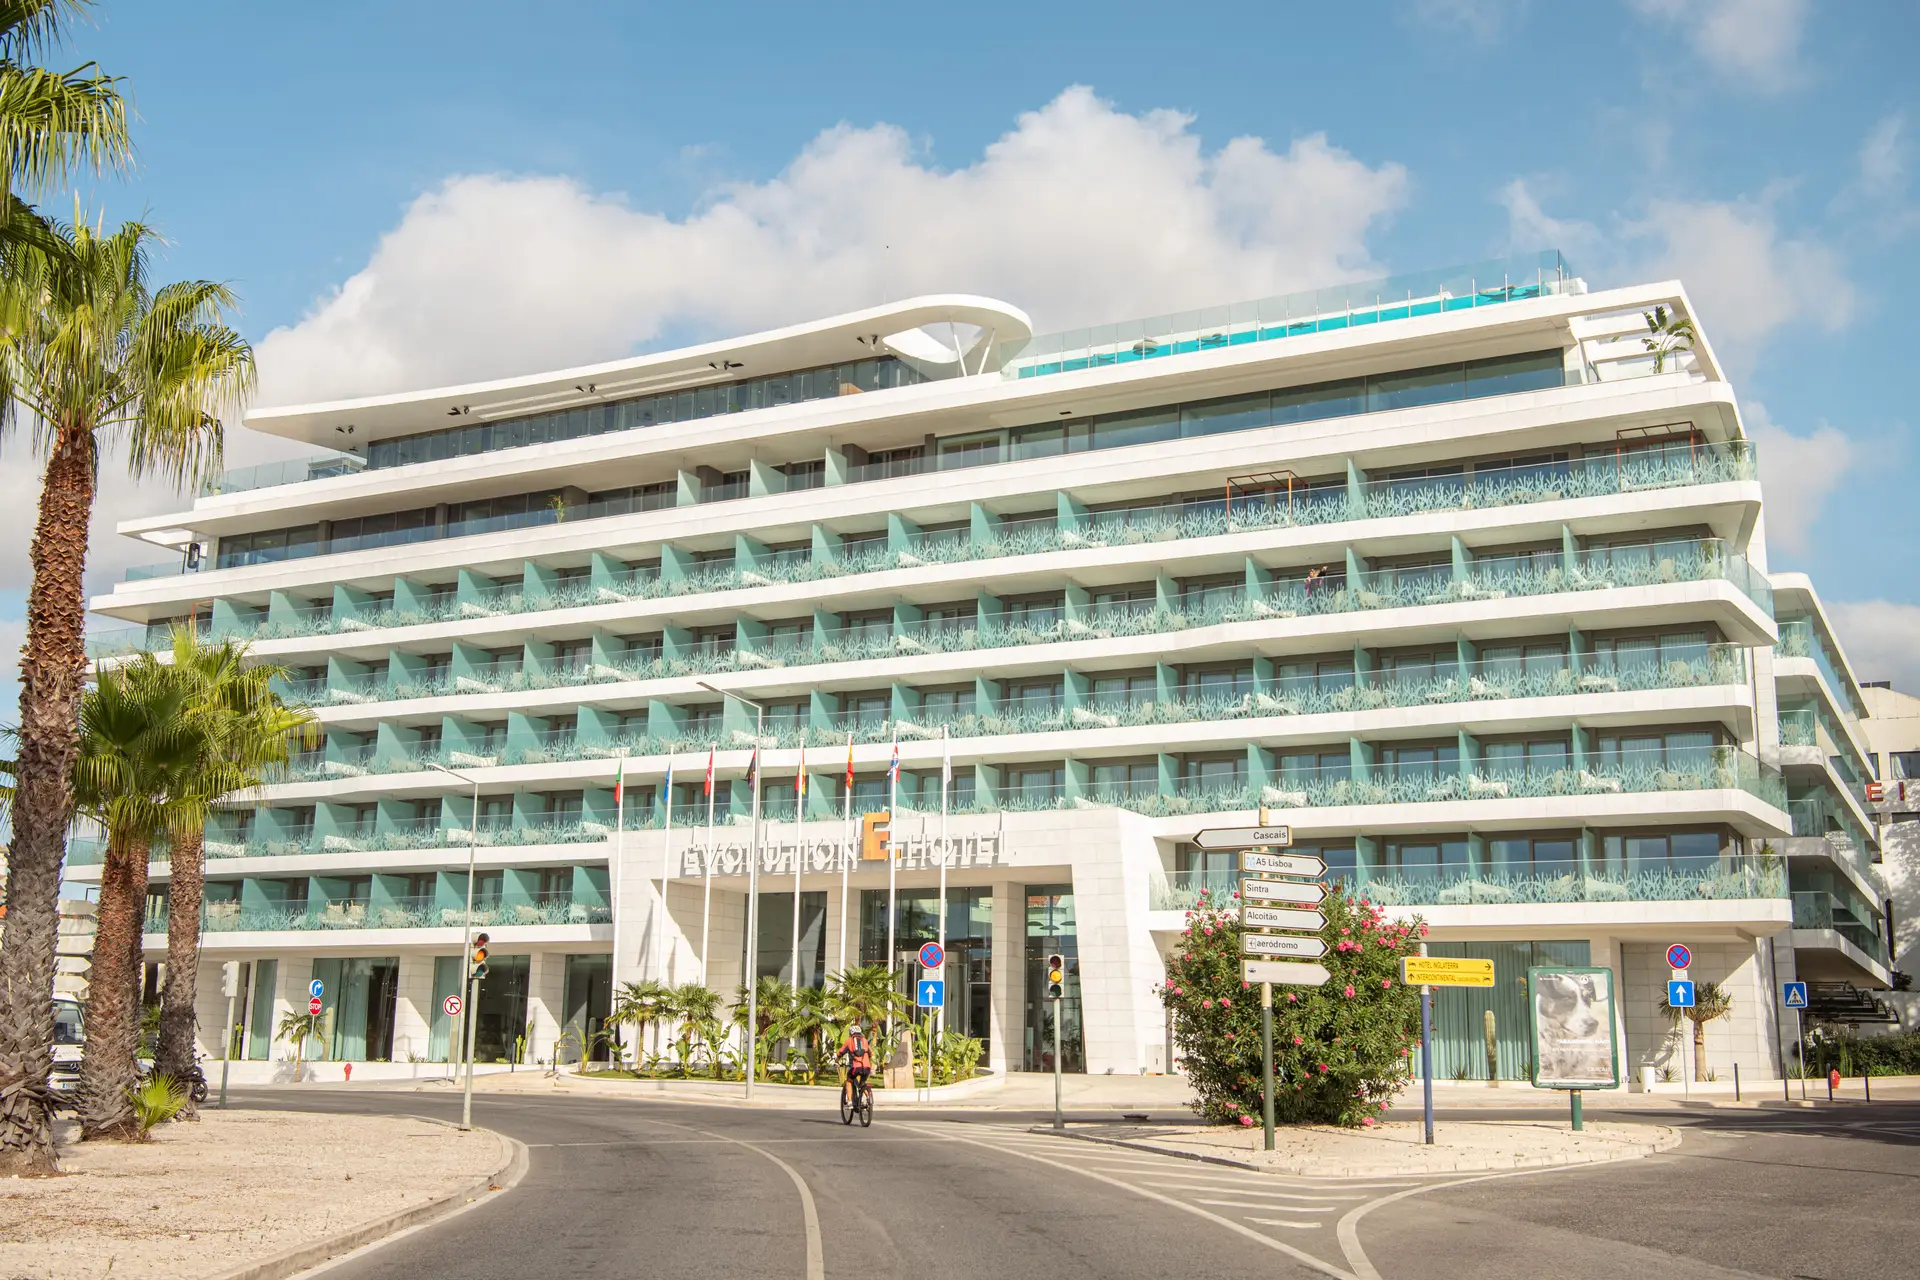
[(858, 1055)]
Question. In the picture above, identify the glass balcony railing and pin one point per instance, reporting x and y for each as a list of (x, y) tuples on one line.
[(1733, 876), (271, 474), (1824, 911), (392, 913), (1799, 638), (1292, 315), (1797, 728)]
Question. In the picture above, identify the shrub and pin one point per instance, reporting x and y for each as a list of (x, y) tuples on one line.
[(1339, 1050), (156, 1100), (1897, 1054)]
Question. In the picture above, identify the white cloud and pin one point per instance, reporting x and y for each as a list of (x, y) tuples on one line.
[(1882, 640), (1482, 21), (1883, 159), (1797, 475), (1531, 228), (1746, 277), (1753, 42), (1081, 213)]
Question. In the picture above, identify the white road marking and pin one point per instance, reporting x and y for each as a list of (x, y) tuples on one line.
[(1298, 1255), (1282, 1222)]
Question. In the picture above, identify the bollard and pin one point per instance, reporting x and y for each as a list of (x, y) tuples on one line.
[(1867, 1080), (1833, 1082), (1736, 1082), (1786, 1089)]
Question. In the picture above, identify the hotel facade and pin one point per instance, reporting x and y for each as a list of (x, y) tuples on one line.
[(1453, 574)]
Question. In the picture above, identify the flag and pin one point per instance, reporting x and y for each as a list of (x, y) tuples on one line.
[(620, 784), (666, 788), (753, 766), (893, 768), (710, 751), (849, 762), (946, 759), (800, 778)]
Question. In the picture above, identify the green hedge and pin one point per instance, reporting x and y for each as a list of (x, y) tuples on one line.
[(1855, 1055)]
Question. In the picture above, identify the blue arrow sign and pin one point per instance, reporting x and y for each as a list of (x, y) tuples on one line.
[(933, 994), (316, 988), (1795, 994), (1680, 994)]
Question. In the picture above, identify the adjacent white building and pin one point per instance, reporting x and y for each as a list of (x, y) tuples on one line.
[(1451, 573)]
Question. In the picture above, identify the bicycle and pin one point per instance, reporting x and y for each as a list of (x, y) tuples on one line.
[(857, 1100)]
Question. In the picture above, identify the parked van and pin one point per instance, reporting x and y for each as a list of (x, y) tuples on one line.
[(69, 1042)]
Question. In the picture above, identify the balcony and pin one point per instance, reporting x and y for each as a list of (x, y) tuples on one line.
[(394, 913), (1292, 315), (272, 474), (1825, 912)]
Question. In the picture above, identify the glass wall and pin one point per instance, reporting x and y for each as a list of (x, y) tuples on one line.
[(359, 997), (266, 978), (1051, 928), (501, 1010), (774, 956), (969, 967), (440, 1027), (1482, 1033), (587, 998)]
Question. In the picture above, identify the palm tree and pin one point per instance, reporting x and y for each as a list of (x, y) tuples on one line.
[(868, 993), (698, 1009), (641, 1003), (773, 1000), (1669, 335), (50, 123), (811, 1018), (1710, 1002), (140, 752), (296, 1028), (246, 729)]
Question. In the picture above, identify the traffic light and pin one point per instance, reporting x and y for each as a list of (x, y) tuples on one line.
[(1056, 976), (479, 957)]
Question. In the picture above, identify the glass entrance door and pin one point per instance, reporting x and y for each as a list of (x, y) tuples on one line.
[(1050, 929)]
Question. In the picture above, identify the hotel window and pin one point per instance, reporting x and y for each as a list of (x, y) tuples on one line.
[(867, 710), (1675, 749), (1529, 658), (1218, 682), (1118, 778), (1137, 600), (572, 656), (943, 705), (1030, 781), (1036, 612), (1650, 651), (701, 721), (1321, 675), (1422, 761), (1531, 759), (788, 715), (713, 641), (1551, 855), (1214, 594), (1418, 669), (1209, 773), (1297, 769), (1424, 858), (1044, 694), (1114, 691), (948, 618), (1686, 853)]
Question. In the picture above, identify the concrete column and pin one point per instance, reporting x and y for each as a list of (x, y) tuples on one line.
[(1007, 1000), (413, 1007)]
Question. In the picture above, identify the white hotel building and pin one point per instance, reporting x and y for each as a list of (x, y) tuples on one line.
[(1443, 570)]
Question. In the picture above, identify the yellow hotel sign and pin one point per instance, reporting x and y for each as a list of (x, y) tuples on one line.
[(1445, 971)]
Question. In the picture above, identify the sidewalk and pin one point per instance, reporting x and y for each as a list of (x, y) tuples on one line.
[(254, 1194), (1394, 1149)]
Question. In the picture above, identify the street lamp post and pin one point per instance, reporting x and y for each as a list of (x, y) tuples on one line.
[(469, 989), (753, 883)]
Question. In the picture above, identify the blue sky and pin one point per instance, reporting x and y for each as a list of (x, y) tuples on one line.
[(409, 193)]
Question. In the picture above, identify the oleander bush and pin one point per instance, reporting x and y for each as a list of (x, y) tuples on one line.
[(1339, 1050)]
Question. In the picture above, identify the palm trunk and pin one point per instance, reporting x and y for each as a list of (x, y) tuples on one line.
[(109, 1070), (1699, 1051), (177, 1020), (52, 666)]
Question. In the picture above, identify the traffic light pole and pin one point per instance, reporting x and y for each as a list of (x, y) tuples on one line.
[(1059, 1122), (466, 1095)]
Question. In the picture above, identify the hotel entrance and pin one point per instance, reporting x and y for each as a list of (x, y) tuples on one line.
[(969, 967)]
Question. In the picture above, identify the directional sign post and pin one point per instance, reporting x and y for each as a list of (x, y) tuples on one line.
[(1281, 944), (1306, 895), (1254, 917), (1244, 838), (1286, 972), (931, 993), (1283, 864), (1445, 971)]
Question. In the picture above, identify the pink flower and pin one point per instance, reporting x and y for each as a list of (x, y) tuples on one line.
[(1367, 1121), (1423, 931), (1208, 930), (1225, 1003), (1292, 998), (1230, 1035), (1208, 1004), (1246, 1120), (1385, 983), (1344, 931), (1323, 1067), (1349, 993), (1296, 1040)]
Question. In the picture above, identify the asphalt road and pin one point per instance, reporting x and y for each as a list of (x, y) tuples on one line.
[(630, 1188)]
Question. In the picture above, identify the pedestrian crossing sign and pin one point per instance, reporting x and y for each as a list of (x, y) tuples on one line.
[(1795, 994)]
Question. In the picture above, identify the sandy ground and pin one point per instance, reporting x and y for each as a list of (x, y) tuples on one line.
[(231, 1189), (1396, 1148)]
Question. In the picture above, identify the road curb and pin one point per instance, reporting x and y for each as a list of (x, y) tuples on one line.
[(304, 1257), (1639, 1151)]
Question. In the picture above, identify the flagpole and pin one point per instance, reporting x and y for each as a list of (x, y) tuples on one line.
[(666, 852), (846, 850), (613, 872), (799, 855), (946, 773), (706, 894), (893, 816)]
